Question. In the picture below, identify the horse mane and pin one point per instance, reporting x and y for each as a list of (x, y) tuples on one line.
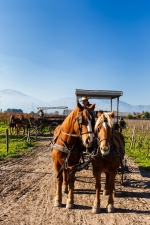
[(73, 114), (70, 117), (100, 120)]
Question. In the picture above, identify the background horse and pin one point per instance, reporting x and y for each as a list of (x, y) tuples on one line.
[(108, 158), (13, 120), (18, 122), (75, 131), (25, 123)]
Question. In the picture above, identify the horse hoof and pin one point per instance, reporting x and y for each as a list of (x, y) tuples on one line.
[(110, 208), (96, 210), (105, 192), (70, 204), (57, 203), (65, 189)]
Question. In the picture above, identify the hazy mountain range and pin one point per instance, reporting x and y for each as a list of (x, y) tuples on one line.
[(14, 99)]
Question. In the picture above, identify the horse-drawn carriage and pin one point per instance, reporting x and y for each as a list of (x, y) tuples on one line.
[(50, 121), (103, 146)]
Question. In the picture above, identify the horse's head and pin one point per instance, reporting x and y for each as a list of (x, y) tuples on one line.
[(103, 128), (83, 124)]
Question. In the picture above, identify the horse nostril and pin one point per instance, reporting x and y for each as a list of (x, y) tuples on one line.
[(87, 141)]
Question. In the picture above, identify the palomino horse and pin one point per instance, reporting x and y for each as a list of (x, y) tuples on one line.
[(109, 155), (75, 131)]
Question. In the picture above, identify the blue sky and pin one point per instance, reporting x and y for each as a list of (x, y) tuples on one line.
[(49, 48)]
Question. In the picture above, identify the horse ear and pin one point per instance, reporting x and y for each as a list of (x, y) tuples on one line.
[(79, 106), (92, 107), (112, 113)]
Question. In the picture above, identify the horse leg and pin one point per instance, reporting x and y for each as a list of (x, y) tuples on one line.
[(17, 130), (106, 190), (58, 194), (9, 128), (111, 187), (65, 182), (23, 130), (70, 197), (96, 206)]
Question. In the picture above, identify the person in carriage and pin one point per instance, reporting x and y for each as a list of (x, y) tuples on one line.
[(87, 104), (41, 114), (122, 124), (85, 101)]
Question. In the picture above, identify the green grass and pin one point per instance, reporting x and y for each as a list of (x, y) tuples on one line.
[(17, 146), (3, 127), (139, 156)]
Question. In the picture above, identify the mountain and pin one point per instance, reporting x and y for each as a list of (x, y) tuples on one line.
[(15, 99)]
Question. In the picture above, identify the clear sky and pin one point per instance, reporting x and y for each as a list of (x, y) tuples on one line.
[(49, 48)]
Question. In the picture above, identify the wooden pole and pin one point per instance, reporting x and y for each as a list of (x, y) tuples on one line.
[(28, 135), (36, 130), (7, 141)]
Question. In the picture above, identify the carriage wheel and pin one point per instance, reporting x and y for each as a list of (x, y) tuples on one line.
[(41, 129), (52, 127)]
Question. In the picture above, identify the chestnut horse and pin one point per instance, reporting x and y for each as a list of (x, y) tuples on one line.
[(110, 152), (18, 122), (75, 131)]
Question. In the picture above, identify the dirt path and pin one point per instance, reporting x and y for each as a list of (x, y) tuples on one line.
[(27, 187)]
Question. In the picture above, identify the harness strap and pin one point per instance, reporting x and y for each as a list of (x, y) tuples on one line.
[(61, 148), (73, 135), (65, 149)]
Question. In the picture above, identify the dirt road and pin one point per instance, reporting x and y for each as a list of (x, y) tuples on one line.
[(27, 187)]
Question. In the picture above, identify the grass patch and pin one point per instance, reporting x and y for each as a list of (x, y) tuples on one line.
[(3, 127), (139, 155), (17, 146)]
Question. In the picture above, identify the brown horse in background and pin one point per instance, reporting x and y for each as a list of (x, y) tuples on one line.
[(25, 123), (13, 120), (109, 154), (18, 122), (75, 131)]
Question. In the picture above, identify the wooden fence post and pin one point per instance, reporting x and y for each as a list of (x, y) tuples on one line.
[(6, 140), (28, 135), (36, 130)]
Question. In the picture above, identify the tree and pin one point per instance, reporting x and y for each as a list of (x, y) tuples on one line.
[(14, 110), (56, 112), (129, 116), (146, 115)]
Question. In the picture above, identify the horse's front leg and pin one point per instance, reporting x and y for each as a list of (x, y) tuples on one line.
[(58, 194), (96, 206), (23, 130), (70, 197), (111, 186), (65, 182)]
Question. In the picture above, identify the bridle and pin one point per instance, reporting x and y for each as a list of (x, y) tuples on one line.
[(104, 139), (79, 120)]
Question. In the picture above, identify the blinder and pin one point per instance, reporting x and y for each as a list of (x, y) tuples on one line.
[(79, 120)]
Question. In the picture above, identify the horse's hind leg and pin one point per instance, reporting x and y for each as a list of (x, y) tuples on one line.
[(106, 190)]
